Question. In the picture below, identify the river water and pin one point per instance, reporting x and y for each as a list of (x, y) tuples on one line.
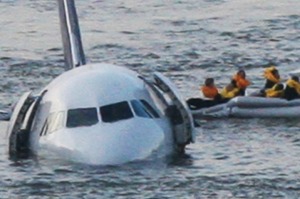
[(187, 40)]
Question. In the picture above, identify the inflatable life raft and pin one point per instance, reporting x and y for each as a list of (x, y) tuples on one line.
[(252, 107)]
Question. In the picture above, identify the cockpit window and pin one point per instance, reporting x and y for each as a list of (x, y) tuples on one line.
[(139, 109), (82, 117), (149, 108), (116, 112), (143, 109), (54, 122)]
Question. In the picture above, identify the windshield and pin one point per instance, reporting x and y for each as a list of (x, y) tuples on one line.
[(54, 122), (116, 112), (143, 109), (82, 117)]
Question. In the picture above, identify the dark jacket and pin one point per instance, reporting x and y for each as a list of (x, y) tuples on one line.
[(269, 84), (290, 93)]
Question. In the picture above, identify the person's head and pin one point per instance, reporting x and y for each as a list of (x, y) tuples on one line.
[(209, 82), (295, 78), (275, 73), (233, 83), (241, 73)]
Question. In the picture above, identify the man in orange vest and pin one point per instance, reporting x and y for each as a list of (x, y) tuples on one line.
[(241, 81), (209, 89)]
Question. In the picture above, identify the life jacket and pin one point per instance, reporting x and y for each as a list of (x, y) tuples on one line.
[(269, 84), (209, 91), (272, 92), (269, 75), (241, 82), (227, 94), (294, 84)]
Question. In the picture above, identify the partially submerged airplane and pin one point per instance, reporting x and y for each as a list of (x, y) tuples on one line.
[(99, 113)]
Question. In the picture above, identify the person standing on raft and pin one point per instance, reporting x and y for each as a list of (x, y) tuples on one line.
[(241, 82)]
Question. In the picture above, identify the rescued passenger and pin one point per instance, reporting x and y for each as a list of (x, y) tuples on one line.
[(276, 91), (292, 90), (209, 89), (272, 77), (241, 81), (210, 92), (230, 91)]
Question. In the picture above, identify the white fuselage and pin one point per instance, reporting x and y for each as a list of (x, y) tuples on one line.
[(100, 114)]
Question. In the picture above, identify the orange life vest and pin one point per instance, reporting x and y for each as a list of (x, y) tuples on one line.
[(241, 82), (209, 91)]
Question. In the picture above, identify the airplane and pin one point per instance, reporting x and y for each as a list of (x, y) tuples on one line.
[(98, 113)]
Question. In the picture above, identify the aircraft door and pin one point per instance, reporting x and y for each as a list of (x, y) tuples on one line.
[(179, 113), (18, 138)]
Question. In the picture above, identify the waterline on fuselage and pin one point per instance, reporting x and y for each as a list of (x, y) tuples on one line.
[(109, 146)]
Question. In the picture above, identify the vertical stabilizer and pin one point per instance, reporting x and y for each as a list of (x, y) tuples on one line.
[(73, 50)]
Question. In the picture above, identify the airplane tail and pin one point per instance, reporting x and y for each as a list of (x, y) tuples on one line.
[(70, 32)]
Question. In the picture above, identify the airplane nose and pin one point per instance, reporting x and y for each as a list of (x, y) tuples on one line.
[(117, 144)]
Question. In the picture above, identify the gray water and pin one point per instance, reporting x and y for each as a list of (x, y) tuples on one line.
[(187, 41)]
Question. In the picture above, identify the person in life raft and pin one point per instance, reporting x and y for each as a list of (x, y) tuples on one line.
[(272, 78), (211, 94), (271, 74), (210, 90), (292, 89), (241, 81), (236, 87)]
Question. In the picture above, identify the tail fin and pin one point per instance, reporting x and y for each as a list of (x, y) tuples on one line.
[(70, 32)]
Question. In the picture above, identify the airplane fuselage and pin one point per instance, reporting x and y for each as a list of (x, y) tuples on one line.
[(100, 114)]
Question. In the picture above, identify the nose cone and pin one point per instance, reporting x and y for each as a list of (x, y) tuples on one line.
[(110, 144)]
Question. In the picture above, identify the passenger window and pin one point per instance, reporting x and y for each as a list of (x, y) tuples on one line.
[(116, 112), (82, 117), (139, 109)]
